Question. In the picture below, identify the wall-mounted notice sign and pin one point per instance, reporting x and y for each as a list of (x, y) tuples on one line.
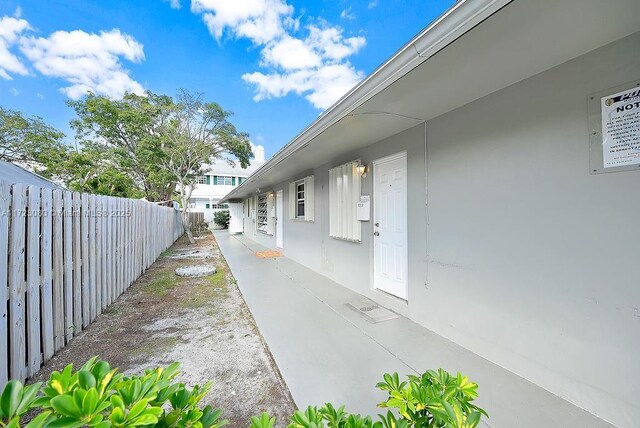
[(621, 128)]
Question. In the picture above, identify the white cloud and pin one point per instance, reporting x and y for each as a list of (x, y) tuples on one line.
[(314, 65), (347, 14), (39, 95), (332, 44), (175, 4), (321, 87), (14, 92), (372, 4), (10, 31), (290, 53), (258, 20), (88, 61), (18, 12)]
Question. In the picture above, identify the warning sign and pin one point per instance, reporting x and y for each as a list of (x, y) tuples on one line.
[(621, 128)]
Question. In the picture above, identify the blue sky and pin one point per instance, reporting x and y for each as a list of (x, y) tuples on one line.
[(275, 63)]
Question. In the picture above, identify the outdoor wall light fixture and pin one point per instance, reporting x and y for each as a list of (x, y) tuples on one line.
[(362, 170)]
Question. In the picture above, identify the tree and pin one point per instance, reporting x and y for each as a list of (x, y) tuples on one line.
[(28, 140), (128, 133), (88, 170), (196, 134)]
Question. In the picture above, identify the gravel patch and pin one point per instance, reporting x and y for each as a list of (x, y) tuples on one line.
[(196, 270), (202, 322)]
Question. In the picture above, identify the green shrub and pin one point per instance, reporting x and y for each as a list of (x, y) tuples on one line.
[(432, 400), (221, 218), (98, 396)]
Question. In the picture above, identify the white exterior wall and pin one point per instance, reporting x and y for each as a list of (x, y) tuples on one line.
[(522, 256)]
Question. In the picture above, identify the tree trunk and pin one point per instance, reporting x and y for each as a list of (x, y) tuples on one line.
[(186, 221)]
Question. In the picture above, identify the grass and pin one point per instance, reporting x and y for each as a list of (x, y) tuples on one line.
[(203, 293), (166, 253), (161, 285)]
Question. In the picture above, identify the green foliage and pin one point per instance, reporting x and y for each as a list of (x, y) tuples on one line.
[(127, 135), (154, 142), (28, 139), (98, 396), (221, 218), (432, 400)]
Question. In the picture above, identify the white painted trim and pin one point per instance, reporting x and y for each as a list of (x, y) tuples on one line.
[(402, 154)]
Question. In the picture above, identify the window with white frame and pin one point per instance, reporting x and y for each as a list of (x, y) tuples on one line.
[(301, 199), (223, 180), (201, 179), (344, 195)]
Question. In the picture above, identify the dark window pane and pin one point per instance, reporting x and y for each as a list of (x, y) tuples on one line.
[(300, 209)]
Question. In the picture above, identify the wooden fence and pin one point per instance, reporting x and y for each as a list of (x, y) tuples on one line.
[(64, 257)]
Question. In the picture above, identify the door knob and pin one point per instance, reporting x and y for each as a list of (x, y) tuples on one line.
[(376, 233)]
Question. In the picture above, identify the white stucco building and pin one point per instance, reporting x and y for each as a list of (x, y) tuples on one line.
[(485, 183), (218, 180)]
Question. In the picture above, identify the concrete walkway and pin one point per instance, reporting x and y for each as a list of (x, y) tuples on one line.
[(329, 352)]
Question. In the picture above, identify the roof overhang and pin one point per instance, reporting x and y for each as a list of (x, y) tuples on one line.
[(476, 48)]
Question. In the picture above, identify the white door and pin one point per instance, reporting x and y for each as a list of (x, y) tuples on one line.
[(390, 225), (279, 218)]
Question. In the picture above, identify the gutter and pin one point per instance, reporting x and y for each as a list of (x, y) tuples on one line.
[(462, 17)]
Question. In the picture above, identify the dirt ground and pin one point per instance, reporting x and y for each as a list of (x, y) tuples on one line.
[(203, 323)]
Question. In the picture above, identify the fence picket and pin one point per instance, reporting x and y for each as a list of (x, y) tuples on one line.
[(58, 272), (46, 260), (84, 242), (91, 219), (33, 280), (67, 227), (5, 203), (77, 262), (17, 283), (97, 249)]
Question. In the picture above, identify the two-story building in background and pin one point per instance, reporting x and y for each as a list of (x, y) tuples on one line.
[(218, 180)]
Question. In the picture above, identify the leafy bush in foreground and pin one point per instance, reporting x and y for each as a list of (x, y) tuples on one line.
[(98, 396), (432, 400)]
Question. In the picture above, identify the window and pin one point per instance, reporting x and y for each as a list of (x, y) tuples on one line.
[(222, 180), (201, 179), (241, 180), (262, 219), (344, 195), (301, 203), (300, 199), (219, 206)]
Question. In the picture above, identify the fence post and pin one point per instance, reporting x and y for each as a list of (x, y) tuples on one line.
[(46, 267)]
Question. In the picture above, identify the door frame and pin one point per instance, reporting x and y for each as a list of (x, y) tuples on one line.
[(279, 219), (375, 163)]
